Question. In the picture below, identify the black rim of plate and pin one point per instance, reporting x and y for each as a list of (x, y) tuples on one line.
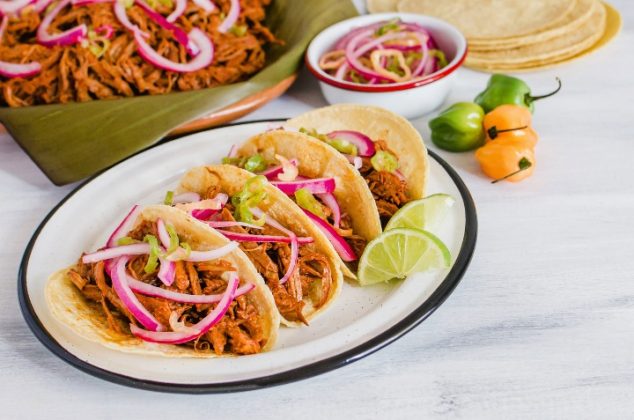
[(365, 349)]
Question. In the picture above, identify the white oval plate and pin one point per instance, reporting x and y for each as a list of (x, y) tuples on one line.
[(361, 321)]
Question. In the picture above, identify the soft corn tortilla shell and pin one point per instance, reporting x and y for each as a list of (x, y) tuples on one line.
[(378, 124), (380, 6), (85, 318), (580, 14), (319, 160), (278, 206), (612, 28), (493, 19), (557, 48)]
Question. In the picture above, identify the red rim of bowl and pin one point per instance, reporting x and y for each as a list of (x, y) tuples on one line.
[(391, 87)]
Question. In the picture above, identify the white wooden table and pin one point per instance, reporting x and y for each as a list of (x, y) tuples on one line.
[(542, 325)]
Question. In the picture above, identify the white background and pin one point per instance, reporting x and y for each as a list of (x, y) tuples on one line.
[(540, 327)]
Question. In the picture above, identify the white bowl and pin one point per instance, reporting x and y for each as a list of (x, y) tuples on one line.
[(409, 99)]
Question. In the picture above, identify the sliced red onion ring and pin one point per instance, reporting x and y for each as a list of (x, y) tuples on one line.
[(129, 300), (421, 67), (364, 144), (202, 60), (400, 175), (149, 290), (250, 237), (206, 5), (341, 71), (200, 256), (353, 54), (204, 209), (273, 172), (226, 224), (167, 271), (122, 16), (203, 214), (12, 70), (172, 337), (329, 200), (343, 42), (40, 5), (116, 252), (124, 226), (88, 2), (163, 234), (106, 30), (344, 250), (293, 238), (233, 152), (186, 197), (315, 185), (231, 18), (356, 161), (179, 9), (68, 37), (193, 49), (13, 6)]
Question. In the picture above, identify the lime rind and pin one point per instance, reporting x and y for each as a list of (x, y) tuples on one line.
[(399, 252), (426, 213)]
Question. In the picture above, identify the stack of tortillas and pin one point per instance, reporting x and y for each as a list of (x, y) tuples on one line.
[(515, 35)]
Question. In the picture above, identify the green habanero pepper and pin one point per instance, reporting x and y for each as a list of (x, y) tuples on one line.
[(503, 89), (459, 127)]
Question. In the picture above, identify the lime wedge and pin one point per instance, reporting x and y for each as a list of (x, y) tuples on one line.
[(399, 252), (426, 213)]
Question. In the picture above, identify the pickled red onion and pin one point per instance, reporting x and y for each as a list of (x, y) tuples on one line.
[(199, 256), (293, 238), (124, 226), (249, 237), (365, 145), (231, 18), (179, 9), (129, 300), (196, 330), (344, 250), (68, 37), (12, 6), (202, 60), (206, 5), (149, 290), (315, 185)]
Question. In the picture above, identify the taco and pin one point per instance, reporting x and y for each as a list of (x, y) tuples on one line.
[(298, 264), (329, 190), (165, 284), (388, 151)]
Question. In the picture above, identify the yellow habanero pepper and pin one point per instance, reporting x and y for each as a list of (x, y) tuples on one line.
[(506, 159), (510, 121)]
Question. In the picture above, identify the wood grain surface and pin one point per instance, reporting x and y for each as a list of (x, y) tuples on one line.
[(542, 325)]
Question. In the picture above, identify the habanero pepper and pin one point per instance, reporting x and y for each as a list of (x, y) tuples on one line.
[(506, 159), (458, 128), (512, 121), (503, 89)]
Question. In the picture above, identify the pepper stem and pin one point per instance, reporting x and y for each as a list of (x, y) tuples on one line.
[(524, 164), (530, 98), (493, 131)]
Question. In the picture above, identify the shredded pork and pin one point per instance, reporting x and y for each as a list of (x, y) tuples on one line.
[(389, 191), (74, 73), (311, 281), (238, 332)]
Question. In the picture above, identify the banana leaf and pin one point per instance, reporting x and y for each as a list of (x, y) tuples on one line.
[(72, 141)]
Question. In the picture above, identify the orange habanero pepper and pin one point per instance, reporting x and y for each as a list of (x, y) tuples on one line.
[(510, 121), (508, 159)]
